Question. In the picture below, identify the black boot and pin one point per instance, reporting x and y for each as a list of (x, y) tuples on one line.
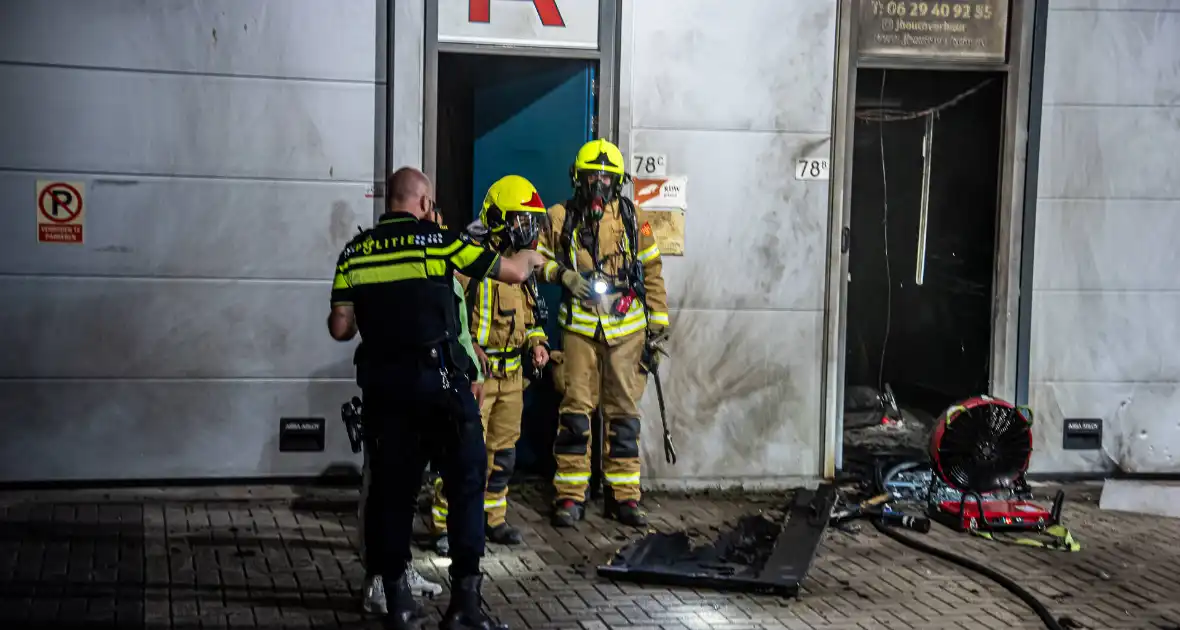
[(627, 513), (404, 611), (504, 534), (567, 513), (464, 611), (442, 545)]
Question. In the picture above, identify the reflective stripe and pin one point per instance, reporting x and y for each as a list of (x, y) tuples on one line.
[(537, 333), (499, 364), (658, 318), (391, 273), (489, 504), (545, 250), (550, 271), (443, 252), (439, 514), (649, 254), (571, 478), (467, 255), (408, 254), (485, 312), (622, 480), (624, 329), (340, 282)]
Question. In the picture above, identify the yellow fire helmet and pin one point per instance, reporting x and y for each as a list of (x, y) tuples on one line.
[(597, 175), (513, 208), (599, 155)]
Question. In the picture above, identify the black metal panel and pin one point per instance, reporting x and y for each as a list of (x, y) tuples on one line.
[(1082, 434), (301, 435), (736, 560)]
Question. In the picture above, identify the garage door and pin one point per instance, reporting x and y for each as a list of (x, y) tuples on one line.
[(222, 150)]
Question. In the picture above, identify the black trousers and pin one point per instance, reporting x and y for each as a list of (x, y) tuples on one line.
[(410, 419)]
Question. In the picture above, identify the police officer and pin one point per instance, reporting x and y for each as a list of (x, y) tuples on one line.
[(394, 285), (374, 600), (614, 314)]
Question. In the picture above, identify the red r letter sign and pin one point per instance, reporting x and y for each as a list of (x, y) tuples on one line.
[(481, 11)]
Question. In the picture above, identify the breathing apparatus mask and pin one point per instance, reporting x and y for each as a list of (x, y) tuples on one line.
[(595, 190), (517, 231)]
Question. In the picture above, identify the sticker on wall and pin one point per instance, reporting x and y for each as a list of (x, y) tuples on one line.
[(61, 212), (670, 192), (649, 165), (811, 169), (667, 226)]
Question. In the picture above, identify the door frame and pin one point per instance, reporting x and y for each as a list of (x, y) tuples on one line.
[(1014, 212), (607, 56)]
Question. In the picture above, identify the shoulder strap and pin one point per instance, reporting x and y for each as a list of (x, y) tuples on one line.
[(567, 231)]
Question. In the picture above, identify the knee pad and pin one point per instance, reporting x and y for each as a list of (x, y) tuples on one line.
[(573, 434), (503, 462), (624, 438)]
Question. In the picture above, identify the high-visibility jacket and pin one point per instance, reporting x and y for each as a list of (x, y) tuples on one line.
[(503, 323), (586, 317)]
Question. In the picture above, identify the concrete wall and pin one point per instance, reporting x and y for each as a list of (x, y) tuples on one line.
[(1106, 302), (733, 93), (225, 146)]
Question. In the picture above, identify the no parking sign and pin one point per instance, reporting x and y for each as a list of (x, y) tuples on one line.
[(61, 212)]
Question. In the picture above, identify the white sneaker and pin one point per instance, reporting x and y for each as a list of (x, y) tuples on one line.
[(375, 597), (419, 585)]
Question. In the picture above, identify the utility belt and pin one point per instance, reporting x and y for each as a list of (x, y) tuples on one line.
[(502, 361), (378, 366)]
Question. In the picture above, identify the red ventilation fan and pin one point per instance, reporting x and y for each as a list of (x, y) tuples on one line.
[(980, 449)]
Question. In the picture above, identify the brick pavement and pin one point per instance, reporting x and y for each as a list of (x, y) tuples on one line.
[(276, 557)]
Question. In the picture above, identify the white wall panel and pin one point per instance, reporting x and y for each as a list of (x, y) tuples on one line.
[(743, 396), (1133, 52), (194, 228), (1106, 305), (1111, 244), (754, 238), (225, 146), (754, 65), (137, 123), (1106, 336), (130, 328), (1110, 152), (315, 39), (80, 430)]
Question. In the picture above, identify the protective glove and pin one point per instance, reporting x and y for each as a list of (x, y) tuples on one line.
[(653, 349), (575, 283)]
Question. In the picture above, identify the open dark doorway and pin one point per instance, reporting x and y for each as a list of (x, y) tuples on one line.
[(925, 191), (500, 115)]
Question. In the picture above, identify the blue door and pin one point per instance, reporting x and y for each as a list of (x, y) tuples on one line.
[(531, 116)]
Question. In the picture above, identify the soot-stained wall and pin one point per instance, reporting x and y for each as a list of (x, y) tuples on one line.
[(733, 93)]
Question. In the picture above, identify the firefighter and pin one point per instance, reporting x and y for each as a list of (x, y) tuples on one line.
[(509, 338), (614, 315)]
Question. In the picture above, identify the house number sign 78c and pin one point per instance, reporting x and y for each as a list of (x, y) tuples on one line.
[(811, 168)]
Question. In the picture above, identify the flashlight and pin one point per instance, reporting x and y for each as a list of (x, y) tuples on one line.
[(600, 286)]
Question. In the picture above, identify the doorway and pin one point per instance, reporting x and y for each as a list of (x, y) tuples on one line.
[(922, 251), (500, 115)]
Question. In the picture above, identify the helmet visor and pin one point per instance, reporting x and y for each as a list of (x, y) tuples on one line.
[(524, 227)]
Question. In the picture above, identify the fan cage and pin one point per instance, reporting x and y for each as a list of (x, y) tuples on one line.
[(982, 445)]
